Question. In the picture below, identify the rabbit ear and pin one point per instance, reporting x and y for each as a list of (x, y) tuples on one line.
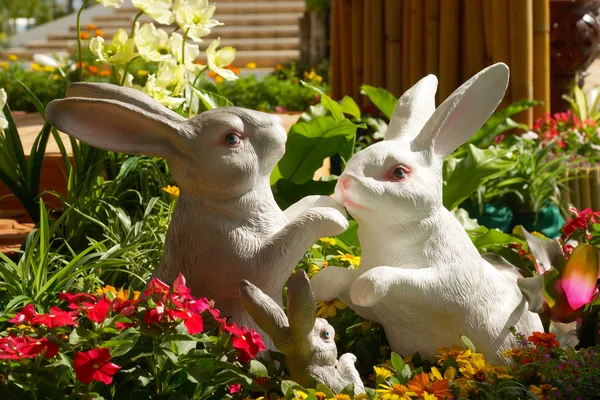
[(464, 112), (127, 95), (266, 313), (117, 126), (302, 310), (413, 110)]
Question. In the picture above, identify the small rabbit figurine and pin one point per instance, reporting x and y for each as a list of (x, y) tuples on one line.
[(305, 340), (226, 226), (420, 275)]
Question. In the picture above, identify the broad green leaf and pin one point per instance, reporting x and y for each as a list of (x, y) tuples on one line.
[(397, 362), (483, 237), (209, 97), (350, 235), (462, 176), (309, 143), (350, 107), (287, 193), (383, 99), (257, 369)]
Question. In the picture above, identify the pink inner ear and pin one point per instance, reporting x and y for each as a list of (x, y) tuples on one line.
[(444, 143)]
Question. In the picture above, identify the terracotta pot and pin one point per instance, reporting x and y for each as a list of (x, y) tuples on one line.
[(583, 188)]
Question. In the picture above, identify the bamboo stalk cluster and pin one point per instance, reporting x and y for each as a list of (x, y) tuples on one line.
[(394, 43)]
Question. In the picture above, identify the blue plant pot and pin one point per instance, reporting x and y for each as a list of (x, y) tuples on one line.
[(492, 217), (549, 221)]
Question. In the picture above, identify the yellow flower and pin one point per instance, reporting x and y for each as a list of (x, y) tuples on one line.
[(394, 392), (120, 50), (450, 373), (329, 308), (320, 395), (342, 397), (12, 57), (251, 65), (475, 369), (300, 395), (142, 72), (3, 64), (381, 374), (279, 67), (458, 353), (349, 258), (435, 374), (56, 77), (218, 79), (328, 241), (313, 269), (48, 68), (172, 190), (362, 396), (516, 352), (36, 67), (121, 294)]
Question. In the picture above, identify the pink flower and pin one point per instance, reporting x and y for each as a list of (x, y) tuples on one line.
[(156, 286), (236, 388), (25, 315), (581, 221), (180, 288), (94, 365), (54, 319)]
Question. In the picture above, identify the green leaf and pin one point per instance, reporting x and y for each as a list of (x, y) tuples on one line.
[(309, 143), (350, 235), (483, 238), (581, 101), (287, 193), (462, 176), (288, 387), (397, 363), (257, 369), (467, 342), (209, 97), (350, 107), (324, 389), (383, 100)]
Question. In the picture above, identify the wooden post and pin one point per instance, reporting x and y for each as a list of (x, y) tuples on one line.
[(500, 40), (367, 44), (521, 54), (406, 38), (488, 26), (432, 36), (357, 48), (417, 53), (377, 59), (393, 49), (473, 39), (541, 56), (346, 48), (449, 47), (335, 64)]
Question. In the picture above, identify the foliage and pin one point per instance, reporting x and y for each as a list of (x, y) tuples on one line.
[(116, 344)]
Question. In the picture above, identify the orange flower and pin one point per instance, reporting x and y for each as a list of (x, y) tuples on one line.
[(84, 35), (83, 65), (91, 27), (422, 386), (541, 339), (212, 74), (105, 72), (233, 69), (93, 69), (99, 32)]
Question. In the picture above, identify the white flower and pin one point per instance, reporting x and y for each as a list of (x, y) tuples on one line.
[(217, 59), (191, 50), (153, 44), (167, 85), (111, 3), (120, 51), (530, 135), (194, 17), (3, 121), (46, 61), (159, 10)]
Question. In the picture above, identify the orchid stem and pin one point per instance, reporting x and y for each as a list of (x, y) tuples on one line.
[(183, 46), (137, 16), (80, 66)]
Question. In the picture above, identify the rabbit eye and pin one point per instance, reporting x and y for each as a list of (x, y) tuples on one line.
[(325, 335), (399, 173), (232, 139)]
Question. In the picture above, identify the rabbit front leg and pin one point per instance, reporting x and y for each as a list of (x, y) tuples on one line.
[(411, 285), (308, 202), (348, 372), (291, 242), (332, 282)]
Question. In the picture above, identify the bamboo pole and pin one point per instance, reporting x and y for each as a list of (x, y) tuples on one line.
[(595, 177), (346, 47), (393, 50), (377, 59), (449, 47), (367, 45), (406, 38), (417, 55), (521, 54), (501, 40), (488, 27), (473, 38), (432, 36), (586, 195), (357, 48), (541, 56), (335, 63)]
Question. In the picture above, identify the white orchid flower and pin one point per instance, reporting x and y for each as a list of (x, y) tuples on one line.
[(152, 43), (111, 3), (190, 54), (46, 61), (167, 85), (120, 50), (194, 17), (3, 121), (159, 10), (218, 59)]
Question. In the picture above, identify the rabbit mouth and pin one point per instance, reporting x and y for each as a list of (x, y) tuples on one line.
[(343, 197)]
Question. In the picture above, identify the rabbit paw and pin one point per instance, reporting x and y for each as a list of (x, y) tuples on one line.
[(332, 221), (366, 290), (309, 202), (331, 282)]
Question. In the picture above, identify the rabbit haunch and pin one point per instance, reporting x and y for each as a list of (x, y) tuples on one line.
[(420, 275), (227, 226)]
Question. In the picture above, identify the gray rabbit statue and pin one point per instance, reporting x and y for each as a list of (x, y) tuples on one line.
[(226, 226), (306, 341)]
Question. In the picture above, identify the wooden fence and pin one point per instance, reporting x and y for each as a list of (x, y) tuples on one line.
[(394, 43)]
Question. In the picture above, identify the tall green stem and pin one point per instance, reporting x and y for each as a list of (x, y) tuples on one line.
[(137, 16), (80, 66), (135, 20), (183, 46)]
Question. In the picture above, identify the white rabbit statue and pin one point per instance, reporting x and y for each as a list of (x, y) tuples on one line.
[(306, 341), (420, 276), (226, 226)]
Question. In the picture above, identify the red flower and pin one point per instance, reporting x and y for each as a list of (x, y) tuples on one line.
[(54, 319), (193, 322), (581, 221), (157, 286), (94, 365), (541, 339), (154, 315), (180, 288), (75, 300), (215, 313), (16, 348), (98, 312), (247, 343), (24, 315), (236, 388), (123, 325)]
